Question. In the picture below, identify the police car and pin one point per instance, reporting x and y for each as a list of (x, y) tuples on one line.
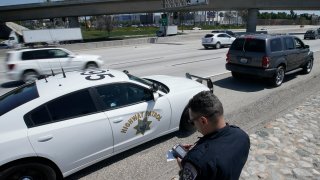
[(56, 126)]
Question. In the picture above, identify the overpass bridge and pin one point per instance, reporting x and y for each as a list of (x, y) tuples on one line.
[(74, 8)]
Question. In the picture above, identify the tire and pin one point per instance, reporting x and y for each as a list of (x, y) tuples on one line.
[(91, 65), (29, 76), (278, 77), (185, 126), (34, 171), (218, 45), (308, 67)]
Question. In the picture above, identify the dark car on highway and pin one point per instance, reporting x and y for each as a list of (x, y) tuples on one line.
[(269, 56), (312, 34)]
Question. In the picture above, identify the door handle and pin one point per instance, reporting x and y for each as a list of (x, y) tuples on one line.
[(45, 138), (118, 120)]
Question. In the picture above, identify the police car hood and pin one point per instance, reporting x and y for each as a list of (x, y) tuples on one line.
[(176, 83)]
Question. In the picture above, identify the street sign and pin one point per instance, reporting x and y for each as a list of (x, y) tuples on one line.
[(176, 4), (164, 19), (164, 22)]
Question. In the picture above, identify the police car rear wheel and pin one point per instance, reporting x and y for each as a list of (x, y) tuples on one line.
[(29, 171)]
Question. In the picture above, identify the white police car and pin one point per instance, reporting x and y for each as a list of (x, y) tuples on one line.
[(56, 126)]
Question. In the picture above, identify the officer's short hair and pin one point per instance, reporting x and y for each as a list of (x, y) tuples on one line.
[(206, 104)]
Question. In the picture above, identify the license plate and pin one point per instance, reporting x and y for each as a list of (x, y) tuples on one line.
[(243, 60)]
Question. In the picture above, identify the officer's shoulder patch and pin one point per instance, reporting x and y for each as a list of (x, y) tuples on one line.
[(189, 172)]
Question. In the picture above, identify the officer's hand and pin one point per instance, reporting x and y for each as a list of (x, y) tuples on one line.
[(187, 146), (179, 162)]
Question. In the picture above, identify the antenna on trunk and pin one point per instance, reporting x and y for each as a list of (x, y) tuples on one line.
[(64, 74)]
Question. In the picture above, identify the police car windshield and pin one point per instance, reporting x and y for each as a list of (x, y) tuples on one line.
[(143, 81), (17, 97)]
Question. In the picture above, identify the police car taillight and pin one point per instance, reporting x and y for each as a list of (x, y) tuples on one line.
[(11, 66), (265, 62)]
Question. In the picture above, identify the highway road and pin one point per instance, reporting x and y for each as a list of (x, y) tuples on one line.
[(247, 103)]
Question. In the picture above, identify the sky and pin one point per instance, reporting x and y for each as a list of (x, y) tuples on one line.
[(15, 2)]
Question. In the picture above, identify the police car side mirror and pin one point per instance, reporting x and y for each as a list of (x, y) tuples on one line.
[(155, 96), (306, 46)]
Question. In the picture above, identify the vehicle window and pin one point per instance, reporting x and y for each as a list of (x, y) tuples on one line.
[(118, 95), (254, 45), (221, 35), (17, 97), (58, 53), (208, 35), (310, 32), (37, 117), (230, 33), (289, 43), (276, 45), (27, 55), (138, 94), (71, 105), (237, 44), (39, 54), (298, 43)]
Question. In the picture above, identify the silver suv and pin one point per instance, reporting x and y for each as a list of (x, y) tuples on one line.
[(270, 56), (29, 64)]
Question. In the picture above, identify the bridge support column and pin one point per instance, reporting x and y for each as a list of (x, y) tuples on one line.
[(73, 22), (252, 20)]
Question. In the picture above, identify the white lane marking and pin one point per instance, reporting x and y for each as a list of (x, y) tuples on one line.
[(189, 62)]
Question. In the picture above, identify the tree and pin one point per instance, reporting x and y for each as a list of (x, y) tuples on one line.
[(228, 15), (293, 15), (221, 15), (244, 15), (105, 22)]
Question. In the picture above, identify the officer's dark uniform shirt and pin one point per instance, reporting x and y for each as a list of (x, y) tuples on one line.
[(220, 155)]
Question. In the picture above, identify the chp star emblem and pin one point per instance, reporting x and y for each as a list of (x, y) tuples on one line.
[(143, 126)]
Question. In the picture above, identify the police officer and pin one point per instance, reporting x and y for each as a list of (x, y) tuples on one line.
[(222, 151)]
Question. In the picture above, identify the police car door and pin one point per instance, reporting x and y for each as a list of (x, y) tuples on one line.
[(70, 131), (134, 116)]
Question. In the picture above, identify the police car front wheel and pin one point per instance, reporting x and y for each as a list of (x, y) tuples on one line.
[(29, 171)]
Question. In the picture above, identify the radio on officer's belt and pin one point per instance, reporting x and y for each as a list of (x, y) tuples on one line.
[(179, 151)]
